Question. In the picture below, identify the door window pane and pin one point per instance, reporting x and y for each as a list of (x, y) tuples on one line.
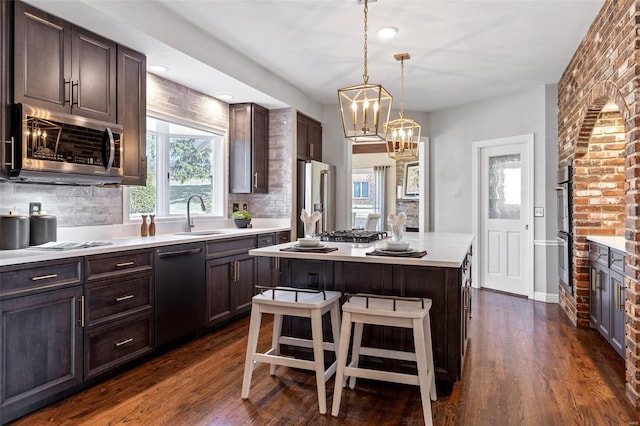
[(505, 183)]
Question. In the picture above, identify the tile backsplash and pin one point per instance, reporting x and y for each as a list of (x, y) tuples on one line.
[(72, 205)]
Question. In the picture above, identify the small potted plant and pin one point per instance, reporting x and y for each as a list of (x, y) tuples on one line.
[(242, 218)]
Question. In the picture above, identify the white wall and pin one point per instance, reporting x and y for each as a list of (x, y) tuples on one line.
[(452, 132)]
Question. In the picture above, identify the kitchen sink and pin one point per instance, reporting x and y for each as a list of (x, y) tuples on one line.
[(200, 233)]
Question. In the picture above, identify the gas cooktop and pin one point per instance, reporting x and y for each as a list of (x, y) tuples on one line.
[(353, 236)]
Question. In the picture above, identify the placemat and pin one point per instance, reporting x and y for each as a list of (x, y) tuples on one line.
[(320, 250), (397, 254)]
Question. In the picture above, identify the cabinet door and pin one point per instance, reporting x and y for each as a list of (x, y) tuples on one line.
[(42, 61), (132, 114), (604, 313), (302, 142), (94, 76), (243, 287), (240, 180), (260, 149), (219, 302), (41, 349), (4, 79), (315, 140), (616, 286)]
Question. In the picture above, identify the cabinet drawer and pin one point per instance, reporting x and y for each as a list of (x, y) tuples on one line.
[(599, 253), (616, 260), (265, 240), (220, 248), (282, 237), (115, 297), (119, 342), (18, 280), (103, 265)]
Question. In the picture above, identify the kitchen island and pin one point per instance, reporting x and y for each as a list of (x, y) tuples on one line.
[(442, 275)]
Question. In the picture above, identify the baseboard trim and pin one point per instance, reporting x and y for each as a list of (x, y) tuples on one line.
[(546, 243), (546, 297)]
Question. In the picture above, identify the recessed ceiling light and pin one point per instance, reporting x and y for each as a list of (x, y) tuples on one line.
[(158, 68), (225, 97), (387, 32)]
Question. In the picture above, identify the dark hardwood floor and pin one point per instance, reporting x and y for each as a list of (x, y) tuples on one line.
[(526, 365)]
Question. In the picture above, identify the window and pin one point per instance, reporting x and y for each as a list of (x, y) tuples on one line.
[(181, 161), (360, 189)]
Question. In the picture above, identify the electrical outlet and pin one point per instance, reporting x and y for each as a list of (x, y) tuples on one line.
[(538, 212), (35, 208), (235, 207), (245, 208)]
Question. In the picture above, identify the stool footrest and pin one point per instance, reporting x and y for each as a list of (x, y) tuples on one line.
[(385, 376), (286, 361), (388, 353), (305, 343)]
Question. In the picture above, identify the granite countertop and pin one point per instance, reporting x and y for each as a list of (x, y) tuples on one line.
[(15, 257), (443, 250), (616, 243)]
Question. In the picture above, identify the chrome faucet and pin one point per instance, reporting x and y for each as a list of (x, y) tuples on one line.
[(189, 224)]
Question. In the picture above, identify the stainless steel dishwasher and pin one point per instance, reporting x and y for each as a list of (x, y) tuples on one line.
[(180, 290)]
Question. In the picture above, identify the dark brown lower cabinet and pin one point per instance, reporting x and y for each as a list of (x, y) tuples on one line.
[(449, 313), (607, 294), (230, 283), (41, 349)]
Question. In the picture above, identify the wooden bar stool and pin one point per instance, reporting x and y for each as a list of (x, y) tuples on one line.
[(282, 301), (404, 312)]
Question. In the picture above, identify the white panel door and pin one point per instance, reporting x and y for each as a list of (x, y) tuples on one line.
[(505, 215)]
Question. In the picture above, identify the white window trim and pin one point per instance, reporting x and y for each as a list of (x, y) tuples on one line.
[(221, 174)]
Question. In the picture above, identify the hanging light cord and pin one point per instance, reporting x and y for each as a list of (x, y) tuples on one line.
[(402, 88), (366, 9)]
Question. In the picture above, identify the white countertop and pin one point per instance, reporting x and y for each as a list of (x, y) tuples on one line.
[(443, 250), (15, 257), (616, 243)]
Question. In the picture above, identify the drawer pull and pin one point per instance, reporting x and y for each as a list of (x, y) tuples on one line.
[(43, 277), (124, 342), (123, 264), (121, 298)]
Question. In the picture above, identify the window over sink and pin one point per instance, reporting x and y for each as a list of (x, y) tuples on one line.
[(182, 160)]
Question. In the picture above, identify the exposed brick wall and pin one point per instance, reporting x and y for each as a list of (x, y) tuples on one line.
[(604, 149)]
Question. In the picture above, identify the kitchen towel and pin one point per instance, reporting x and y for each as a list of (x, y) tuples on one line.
[(309, 221)]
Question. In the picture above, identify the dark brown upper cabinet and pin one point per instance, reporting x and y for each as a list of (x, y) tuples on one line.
[(309, 138), (248, 149), (61, 67), (4, 63), (132, 114)]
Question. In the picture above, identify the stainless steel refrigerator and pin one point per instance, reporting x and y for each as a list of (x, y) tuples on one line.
[(316, 192)]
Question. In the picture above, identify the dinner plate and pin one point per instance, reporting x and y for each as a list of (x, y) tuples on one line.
[(309, 248), (396, 252)]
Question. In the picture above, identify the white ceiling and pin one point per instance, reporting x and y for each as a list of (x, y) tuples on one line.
[(461, 51)]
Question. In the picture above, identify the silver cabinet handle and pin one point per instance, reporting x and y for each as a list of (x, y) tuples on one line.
[(255, 180), (77, 86), (82, 311), (121, 298), (123, 264), (67, 83), (124, 342), (43, 277)]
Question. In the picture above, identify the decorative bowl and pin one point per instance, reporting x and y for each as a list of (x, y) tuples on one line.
[(308, 242), (397, 245)]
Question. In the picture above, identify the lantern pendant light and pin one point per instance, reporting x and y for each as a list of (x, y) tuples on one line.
[(365, 107), (403, 134)]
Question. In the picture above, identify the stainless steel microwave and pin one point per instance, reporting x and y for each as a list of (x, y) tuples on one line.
[(62, 148)]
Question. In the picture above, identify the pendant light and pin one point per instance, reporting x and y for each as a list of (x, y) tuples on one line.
[(403, 134), (365, 107)]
